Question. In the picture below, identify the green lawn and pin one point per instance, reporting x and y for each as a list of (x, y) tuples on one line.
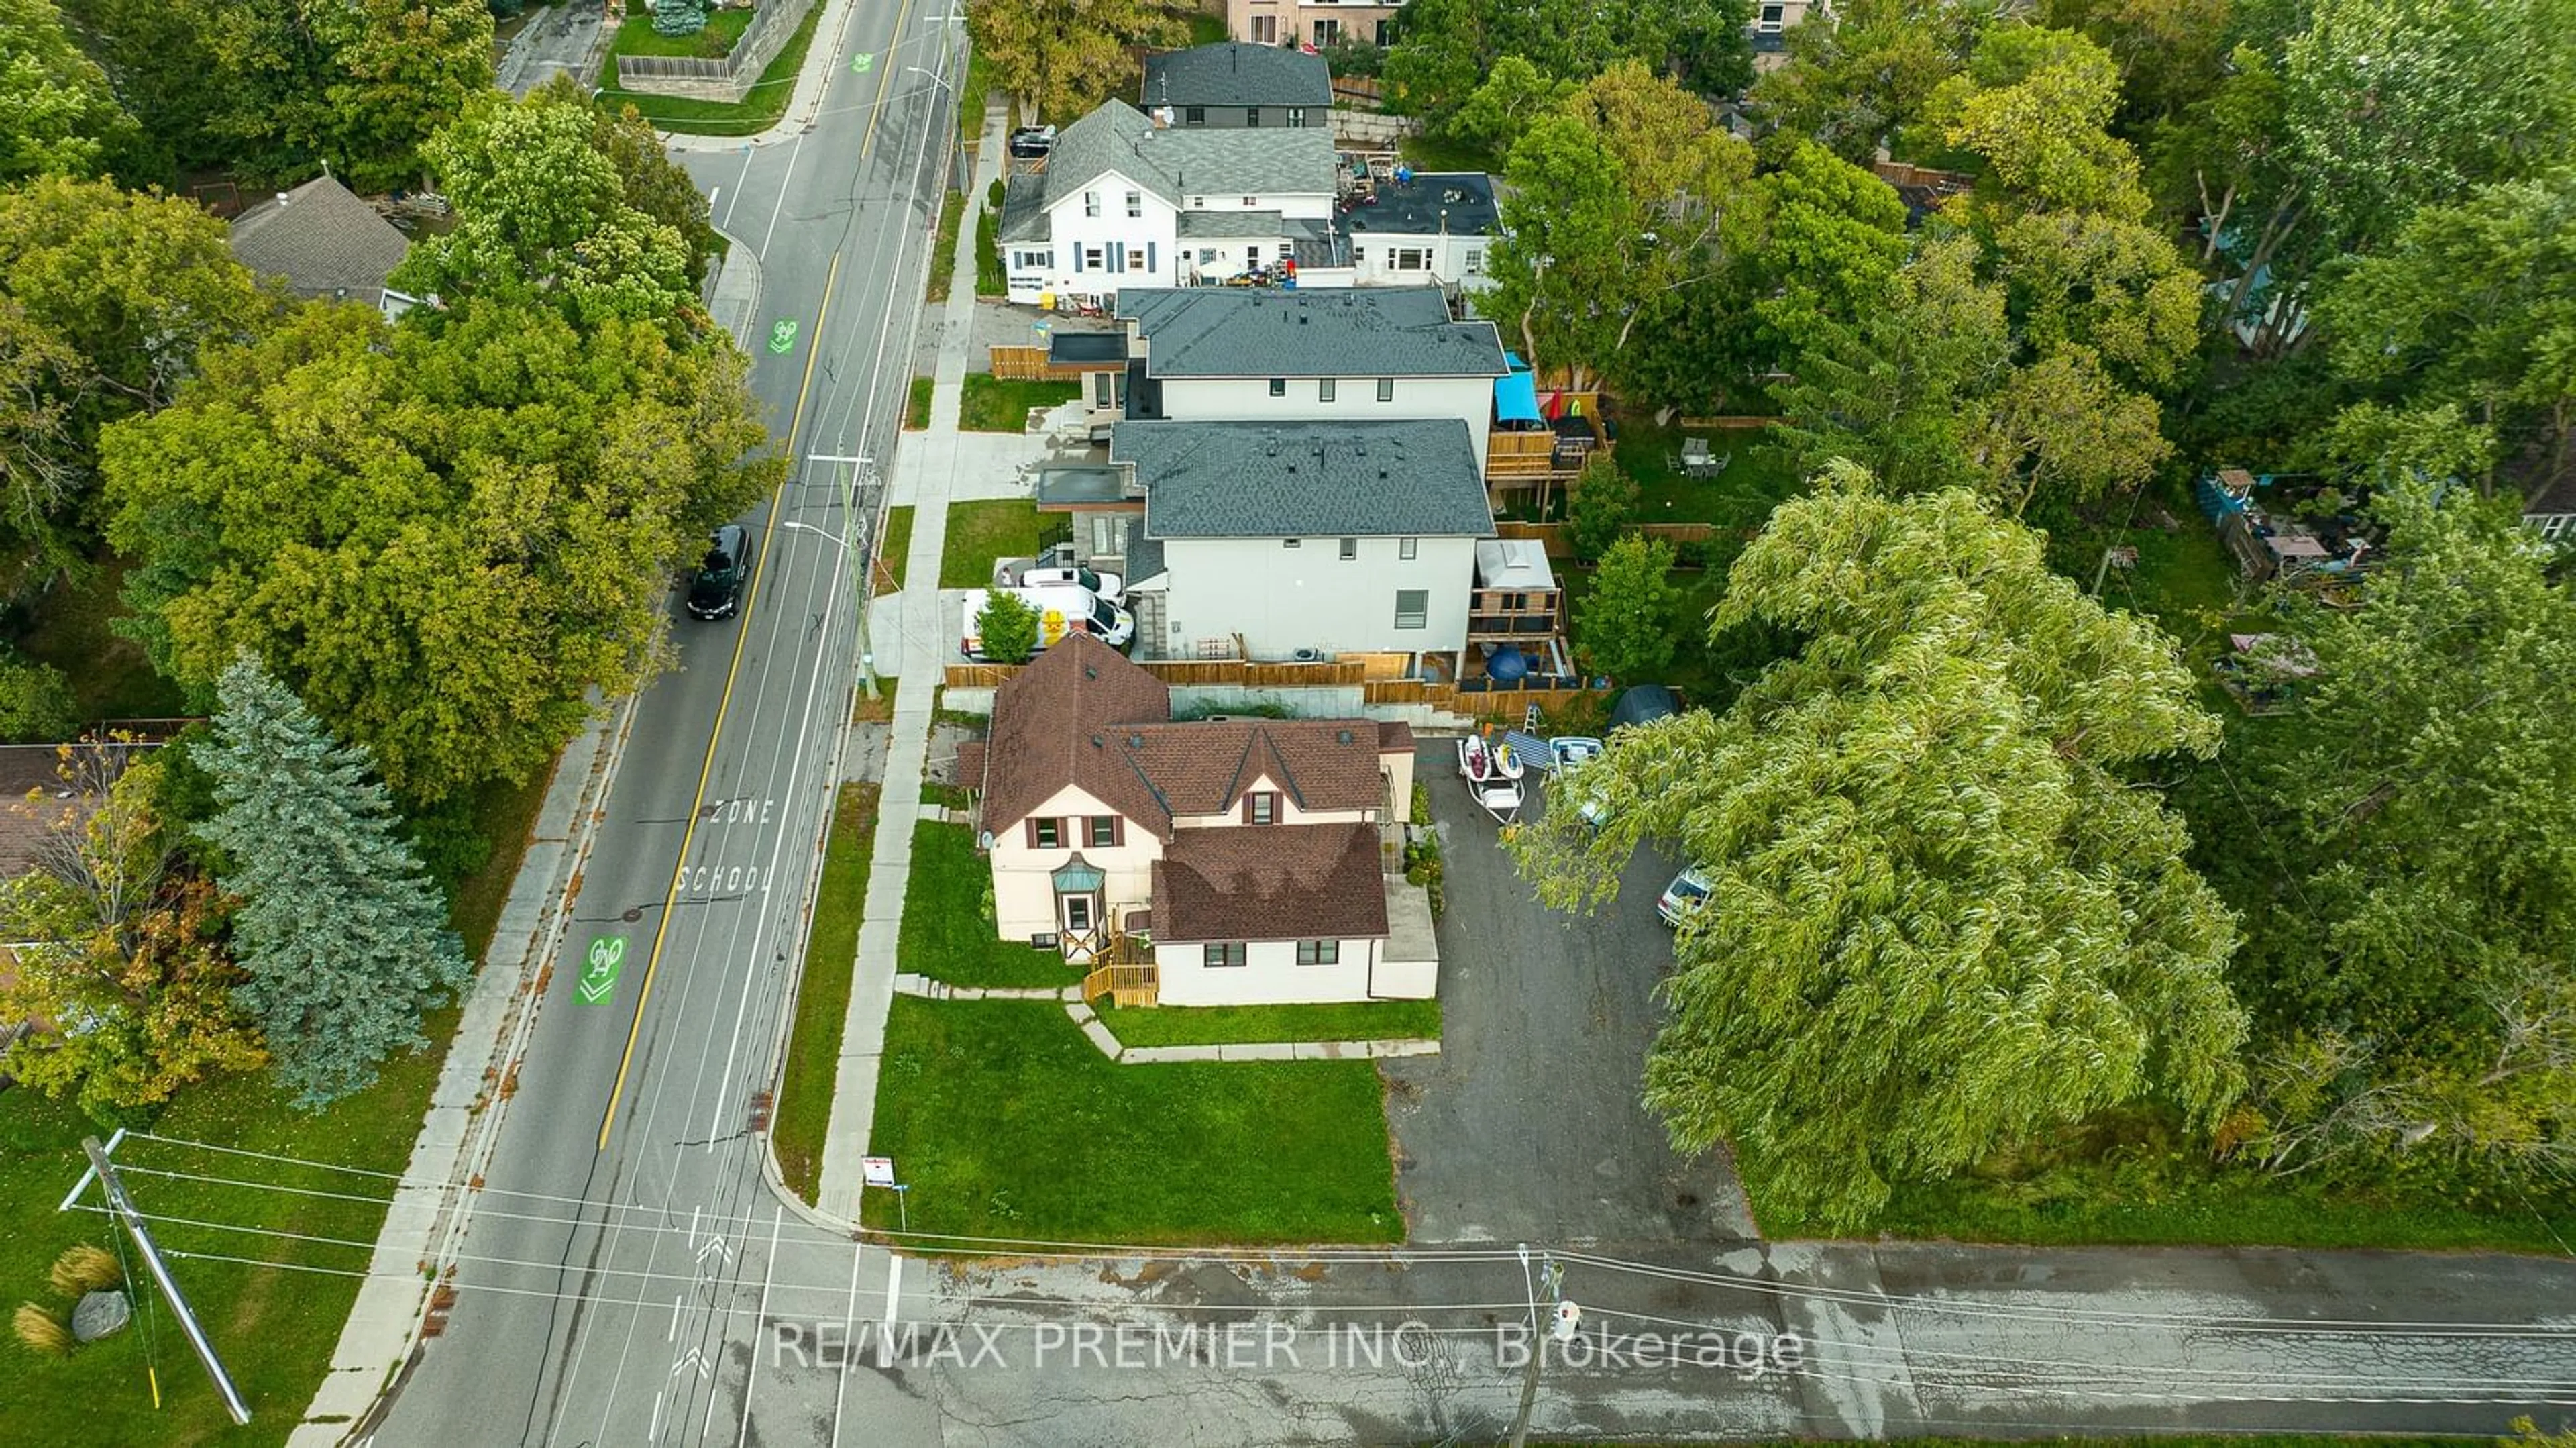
[(757, 111), (879, 710), (2131, 1179), (715, 42), (971, 100), (990, 404), (1231, 1025), (981, 531), (110, 677), (1754, 481), (275, 1328), (916, 408), (894, 550), (943, 246), (1441, 153), (1206, 29), (1004, 1122), (504, 813), (947, 933), (823, 996)]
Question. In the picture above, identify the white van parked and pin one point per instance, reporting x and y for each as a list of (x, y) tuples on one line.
[(1061, 610)]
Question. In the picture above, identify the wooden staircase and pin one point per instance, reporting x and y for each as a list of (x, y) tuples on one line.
[(1125, 973)]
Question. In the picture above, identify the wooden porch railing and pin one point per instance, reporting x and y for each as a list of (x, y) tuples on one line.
[(1125, 985)]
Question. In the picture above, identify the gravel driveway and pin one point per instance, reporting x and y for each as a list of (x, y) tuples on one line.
[(1527, 1127)]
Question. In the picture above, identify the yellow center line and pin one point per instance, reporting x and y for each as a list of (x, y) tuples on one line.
[(724, 701), (885, 77)]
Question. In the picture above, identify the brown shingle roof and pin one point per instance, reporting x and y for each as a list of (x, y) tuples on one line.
[(1052, 726), (1204, 768), (1280, 882), (322, 239)]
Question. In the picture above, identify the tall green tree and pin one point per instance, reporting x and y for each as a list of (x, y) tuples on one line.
[(1907, 390), (344, 942), (2474, 307), (1441, 51), (1860, 75), (2418, 971), (277, 90), (106, 297), (442, 538), (542, 219), (1620, 199), (57, 115), (1831, 243), (648, 179), (119, 949), (1062, 58), (1627, 622), (1944, 916)]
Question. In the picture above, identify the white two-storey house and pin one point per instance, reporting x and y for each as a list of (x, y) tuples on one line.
[(1122, 202)]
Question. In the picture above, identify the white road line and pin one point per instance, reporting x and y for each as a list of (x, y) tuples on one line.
[(742, 183), (674, 1334), (778, 1214), (794, 149), (894, 1286), (849, 1338)]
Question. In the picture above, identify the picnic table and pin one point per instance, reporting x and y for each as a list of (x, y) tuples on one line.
[(1698, 461)]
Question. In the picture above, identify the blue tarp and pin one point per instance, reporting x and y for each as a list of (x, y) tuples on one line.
[(1515, 398)]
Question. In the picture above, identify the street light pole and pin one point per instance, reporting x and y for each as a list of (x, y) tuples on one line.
[(859, 603)]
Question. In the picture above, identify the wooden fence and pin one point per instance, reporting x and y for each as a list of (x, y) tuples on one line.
[(1553, 538), (1241, 673), (1032, 364), (1506, 704)]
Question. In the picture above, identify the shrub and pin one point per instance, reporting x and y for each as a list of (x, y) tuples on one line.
[(84, 1269), (43, 1330), (1008, 626), (36, 702), (1598, 509)]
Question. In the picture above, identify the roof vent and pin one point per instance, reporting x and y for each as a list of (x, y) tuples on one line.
[(1343, 737), (1090, 672), (1135, 741), (1097, 741)]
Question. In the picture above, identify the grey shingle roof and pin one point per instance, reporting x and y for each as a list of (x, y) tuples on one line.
[(322, 239), (1306, 479), (1024, 214), (1331, 332), (1236, 74), (1174, 164), (1196, 224)]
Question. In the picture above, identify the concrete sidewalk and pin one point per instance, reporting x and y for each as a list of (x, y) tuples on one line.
[(930, 468)]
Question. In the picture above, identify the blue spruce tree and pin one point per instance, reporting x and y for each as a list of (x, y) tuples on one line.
[(345, 943)]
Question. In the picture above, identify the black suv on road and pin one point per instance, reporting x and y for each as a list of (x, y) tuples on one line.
[(716, 591)]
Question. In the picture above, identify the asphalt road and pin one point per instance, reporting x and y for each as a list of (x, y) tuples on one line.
[(1527, 1127), (624, 1235)]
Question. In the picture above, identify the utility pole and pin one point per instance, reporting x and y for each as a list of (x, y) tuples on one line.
[(123, 1208), (1561, 1327), (863, 576)]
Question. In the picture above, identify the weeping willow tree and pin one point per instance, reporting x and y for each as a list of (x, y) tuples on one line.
[(1944, 916)]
